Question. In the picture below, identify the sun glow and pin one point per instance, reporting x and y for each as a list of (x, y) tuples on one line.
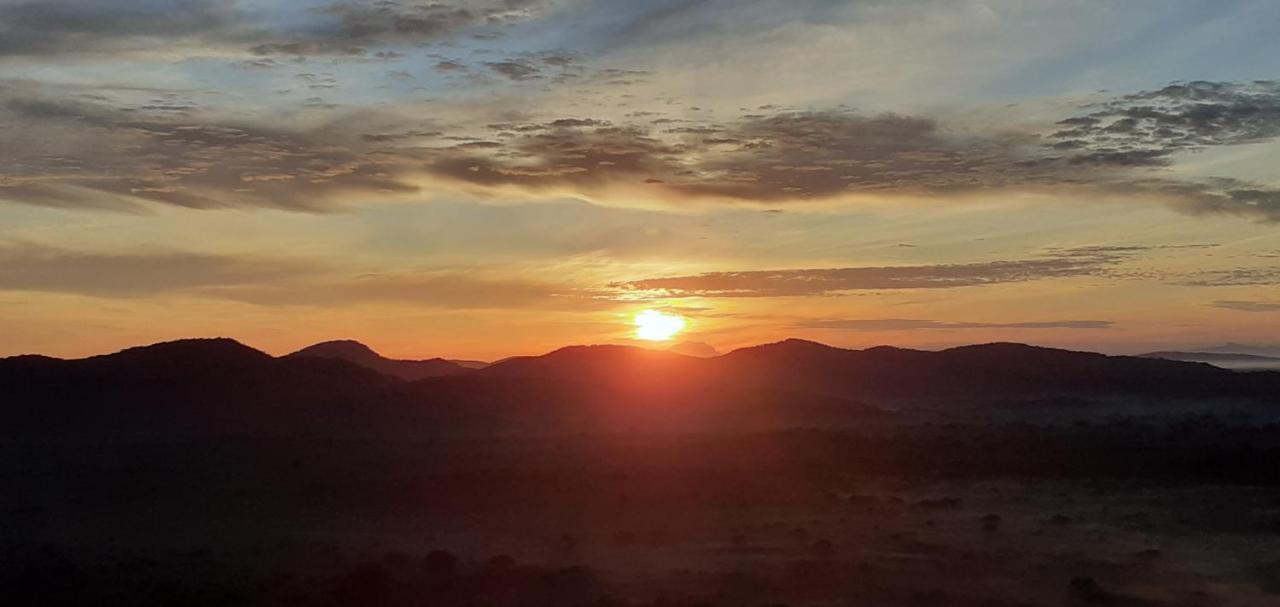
[(653, 325)]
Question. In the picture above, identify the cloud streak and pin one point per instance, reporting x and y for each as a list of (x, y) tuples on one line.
[(48, 28), (88, 153), (70, 153), (264, 281), (32, 267), (832, 281), (903, 324), (1248, 306), (58, 27), (787, 156)]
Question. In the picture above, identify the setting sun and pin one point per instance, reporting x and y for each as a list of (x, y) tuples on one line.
[(653, 325)]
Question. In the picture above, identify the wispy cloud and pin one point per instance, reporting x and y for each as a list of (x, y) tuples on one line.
[(828, 281), (265, 281), (68, 27), (33, 267), (1146, 128), (87, 152), (79, 153), (57, 27), (786, 156), (448, 290), (1234, 277), (904, 324), (1248, 306)]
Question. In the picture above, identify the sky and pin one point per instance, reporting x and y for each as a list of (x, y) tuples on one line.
[(499, 177)]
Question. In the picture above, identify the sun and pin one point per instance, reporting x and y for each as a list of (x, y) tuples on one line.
[(653, 325)]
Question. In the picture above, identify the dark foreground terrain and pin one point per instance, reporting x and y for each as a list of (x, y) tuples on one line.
[(212, 475)]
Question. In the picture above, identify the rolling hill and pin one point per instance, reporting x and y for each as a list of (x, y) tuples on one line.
[(364, 356), (219, 386)]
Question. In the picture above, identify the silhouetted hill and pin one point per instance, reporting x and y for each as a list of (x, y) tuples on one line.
[(998, 370), (216, 386), (360, 354), (610, 364), (1272, 350), (185, 386)]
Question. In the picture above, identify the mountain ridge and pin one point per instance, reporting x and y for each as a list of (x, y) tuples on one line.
[(220, 385), (1226, 360), (361, 354)]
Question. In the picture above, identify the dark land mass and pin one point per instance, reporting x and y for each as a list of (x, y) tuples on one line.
[(343, 389), (364, 356), (204, 472)]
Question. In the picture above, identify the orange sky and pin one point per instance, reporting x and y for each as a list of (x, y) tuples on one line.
[(537, 173)]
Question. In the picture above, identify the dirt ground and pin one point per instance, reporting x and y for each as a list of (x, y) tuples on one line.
[(585, 521)]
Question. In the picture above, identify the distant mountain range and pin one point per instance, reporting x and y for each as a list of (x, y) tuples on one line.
[(1227, 360), (1272, 351), (408, 370), (219, 386)]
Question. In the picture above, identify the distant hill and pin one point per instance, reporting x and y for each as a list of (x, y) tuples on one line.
[(408, 370), (192, 386), (1226, 360), (629, 388), (1235, 348), (343, 389), (694, 348), (988, 371)]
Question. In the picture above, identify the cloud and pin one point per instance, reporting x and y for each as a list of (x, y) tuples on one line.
[(265, 281), (1248, 306), (1234, 277), (33, 267), (830, 281), (349, 28), (448, 66), (62, 27), (788, 156), (1145, 128), (75, 153), (903, 324), (54, 27), (514, 70), (451, 290)]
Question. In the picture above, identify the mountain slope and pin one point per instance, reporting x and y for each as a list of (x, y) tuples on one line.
[(360, 354), (990, 370), (221, 387), (186, 386), (998, 372)]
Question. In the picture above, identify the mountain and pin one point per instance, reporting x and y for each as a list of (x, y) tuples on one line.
[(360, 354), (694, 348), (604, 387), (987, 371), (342, 389), (1234, 348), (191, 386), (1226, 360), (608, 363)]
